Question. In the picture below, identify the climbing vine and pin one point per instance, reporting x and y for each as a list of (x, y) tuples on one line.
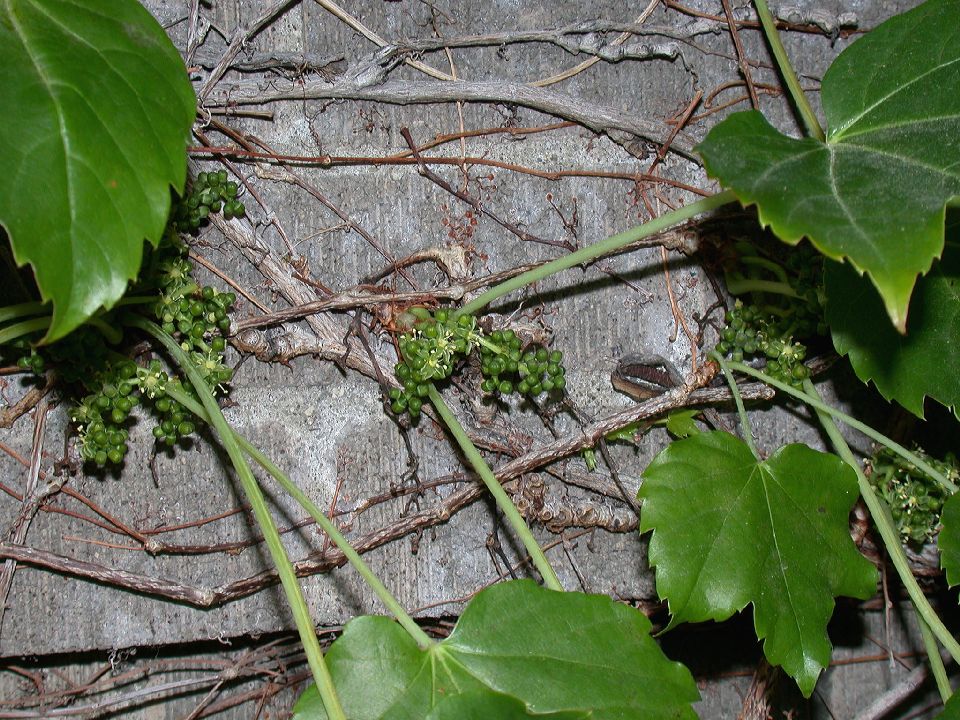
[(731, 524)]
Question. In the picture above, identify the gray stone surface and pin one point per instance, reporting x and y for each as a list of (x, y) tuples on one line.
[(325, 426)]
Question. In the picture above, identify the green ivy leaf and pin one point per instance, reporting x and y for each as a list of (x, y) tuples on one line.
[(490, 705), (948, 541), (474, 705), (874, 193), (98, 111), (680, 423), (569, 654), (907, 368), (729, 530)]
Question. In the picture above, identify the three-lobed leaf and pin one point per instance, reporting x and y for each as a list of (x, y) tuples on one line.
[(98, 111), (562, 655), (875, 191), (729, 530)]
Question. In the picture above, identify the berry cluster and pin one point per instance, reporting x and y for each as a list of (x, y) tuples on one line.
[(77, 357), (197, 317), (211, 193), (428, 353), (915, 500), (507, 369), (103, 413), (438, 341), (802, 316), (750, 332)]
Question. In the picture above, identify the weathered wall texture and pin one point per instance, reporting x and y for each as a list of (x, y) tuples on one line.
[(324, 423)]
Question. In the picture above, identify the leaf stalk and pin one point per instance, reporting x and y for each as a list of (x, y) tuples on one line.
[(807, 114), (258, 504), (888, 532), (353, 557), (503, 500), (591, 252)]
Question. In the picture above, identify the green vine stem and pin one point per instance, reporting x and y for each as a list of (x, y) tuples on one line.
[(742, 286), (353, 557), (12, 312), (789, 74), (24, 327), (769, 265), (741, 411), (503, 500), (888, 532), (936, 662), (288, 579), (818, 404), (610, 244)]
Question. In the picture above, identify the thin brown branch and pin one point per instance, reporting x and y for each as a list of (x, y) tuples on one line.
[(742, 62), (406, 159), (683, 396), (597, 117), (33, 497), (473, 202)]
